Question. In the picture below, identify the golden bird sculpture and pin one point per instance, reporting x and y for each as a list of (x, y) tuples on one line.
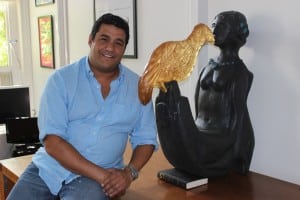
[(173, 60)]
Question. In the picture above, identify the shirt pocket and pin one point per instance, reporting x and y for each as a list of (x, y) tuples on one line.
[(82, 135), (122, 116)]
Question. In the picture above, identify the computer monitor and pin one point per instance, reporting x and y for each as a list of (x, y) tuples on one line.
[(22, 130), (14, 102)]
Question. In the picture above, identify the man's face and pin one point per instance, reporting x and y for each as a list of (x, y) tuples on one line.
[(107, 48)]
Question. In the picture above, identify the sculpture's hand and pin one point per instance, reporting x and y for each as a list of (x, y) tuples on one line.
[(168, 100)]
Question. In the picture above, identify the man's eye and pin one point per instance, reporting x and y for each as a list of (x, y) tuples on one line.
[(120, 43)]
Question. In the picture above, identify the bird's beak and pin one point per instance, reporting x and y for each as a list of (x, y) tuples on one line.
[(211, 39)]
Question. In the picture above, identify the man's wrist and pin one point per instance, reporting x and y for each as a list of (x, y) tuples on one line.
[(134, 173)]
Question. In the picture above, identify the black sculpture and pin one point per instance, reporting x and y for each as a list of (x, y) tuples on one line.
[(220, 138)]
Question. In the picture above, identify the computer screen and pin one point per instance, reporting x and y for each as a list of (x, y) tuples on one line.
[(14, 102), (22, 130)]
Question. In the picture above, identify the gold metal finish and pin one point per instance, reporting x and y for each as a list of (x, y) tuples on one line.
[(173, 60)]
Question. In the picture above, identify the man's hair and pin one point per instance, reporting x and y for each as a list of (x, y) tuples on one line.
[(111, 20)]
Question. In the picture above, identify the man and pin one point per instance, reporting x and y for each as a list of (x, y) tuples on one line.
[(88, 111)]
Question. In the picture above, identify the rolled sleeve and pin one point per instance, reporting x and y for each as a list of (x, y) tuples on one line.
[(146, 131), (53, 111)]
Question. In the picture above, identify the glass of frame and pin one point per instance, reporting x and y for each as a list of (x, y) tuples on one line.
[(46, 47), (125, 9), (43, 2)]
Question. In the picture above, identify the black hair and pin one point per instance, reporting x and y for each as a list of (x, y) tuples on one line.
[(111, 19)]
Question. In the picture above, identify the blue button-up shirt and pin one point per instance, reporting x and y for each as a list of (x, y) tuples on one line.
[(73, 108)]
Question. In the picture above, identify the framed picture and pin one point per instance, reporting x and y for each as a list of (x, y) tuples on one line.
[(125, 9), (43, 2), (46, 43)]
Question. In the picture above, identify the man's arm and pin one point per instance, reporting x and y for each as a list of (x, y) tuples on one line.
[(140, 156), (71, 159)]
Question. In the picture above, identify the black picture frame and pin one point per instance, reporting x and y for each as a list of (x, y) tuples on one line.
[(125, 9), (43, 2)]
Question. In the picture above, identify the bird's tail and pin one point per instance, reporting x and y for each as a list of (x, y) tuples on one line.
[(145, 91)]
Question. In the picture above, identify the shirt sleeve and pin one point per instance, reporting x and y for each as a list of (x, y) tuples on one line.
[(52, 117), (145, 131)]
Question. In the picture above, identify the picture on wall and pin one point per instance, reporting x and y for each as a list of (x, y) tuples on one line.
[(46, 44), (125, 9), (43, 2)]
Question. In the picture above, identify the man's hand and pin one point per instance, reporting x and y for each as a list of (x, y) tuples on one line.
[(118, 180), (116, 183)]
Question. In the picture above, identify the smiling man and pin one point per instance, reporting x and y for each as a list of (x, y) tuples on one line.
[(89, 109)]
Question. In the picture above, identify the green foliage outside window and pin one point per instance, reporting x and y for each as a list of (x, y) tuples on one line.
[(3, 41)]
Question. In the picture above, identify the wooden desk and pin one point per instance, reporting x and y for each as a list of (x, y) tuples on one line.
[(253, 186), (10, 170)]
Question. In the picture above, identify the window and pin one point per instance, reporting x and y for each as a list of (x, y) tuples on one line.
[(3, 35), (9, 49), (5, 69)]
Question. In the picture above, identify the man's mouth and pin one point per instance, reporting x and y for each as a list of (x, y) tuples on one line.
[(107, 55)]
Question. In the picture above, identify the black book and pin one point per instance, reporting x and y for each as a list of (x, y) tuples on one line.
[(181, 179)]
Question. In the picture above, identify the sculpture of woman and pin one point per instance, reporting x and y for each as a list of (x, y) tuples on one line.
[(221, 137)]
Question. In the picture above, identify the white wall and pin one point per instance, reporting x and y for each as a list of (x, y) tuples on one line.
[(41, 74), (270, 53)]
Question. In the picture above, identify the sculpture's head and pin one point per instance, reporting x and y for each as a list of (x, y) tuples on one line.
[(230, 27)]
